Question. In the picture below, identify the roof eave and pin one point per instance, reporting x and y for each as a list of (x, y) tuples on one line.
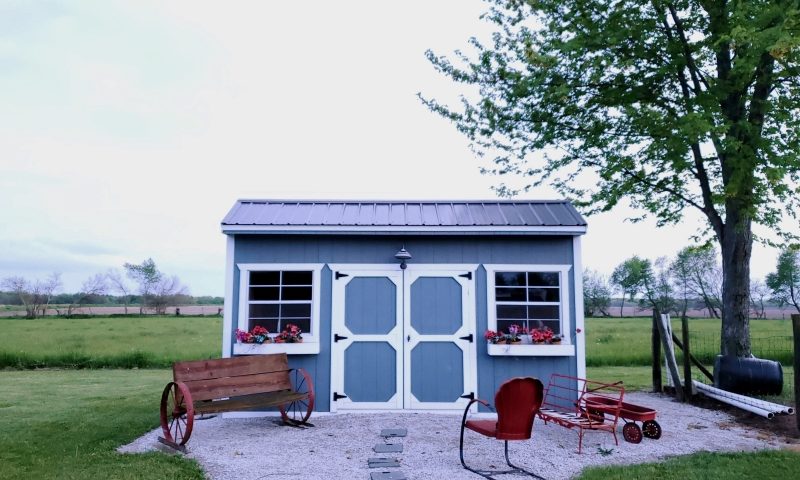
[(570, 230)]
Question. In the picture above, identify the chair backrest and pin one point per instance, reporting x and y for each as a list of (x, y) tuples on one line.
[(517, 401)]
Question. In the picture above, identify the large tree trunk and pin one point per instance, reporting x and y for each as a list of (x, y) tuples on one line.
[(736, 245)]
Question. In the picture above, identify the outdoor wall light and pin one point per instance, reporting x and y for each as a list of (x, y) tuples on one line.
[(402, 255)]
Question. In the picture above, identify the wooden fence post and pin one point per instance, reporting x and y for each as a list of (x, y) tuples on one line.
[(656, 346), (665, 327), (796, 331), (687, 361)]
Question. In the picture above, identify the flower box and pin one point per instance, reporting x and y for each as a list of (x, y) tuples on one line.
[(530, 350)]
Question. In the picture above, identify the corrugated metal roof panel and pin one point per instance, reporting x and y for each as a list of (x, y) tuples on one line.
[(398, 214)]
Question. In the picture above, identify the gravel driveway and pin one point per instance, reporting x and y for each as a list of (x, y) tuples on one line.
[(339, 446)]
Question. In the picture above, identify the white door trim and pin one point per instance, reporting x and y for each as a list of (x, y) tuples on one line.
[(393, 338)]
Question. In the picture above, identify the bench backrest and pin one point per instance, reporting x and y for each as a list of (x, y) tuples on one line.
[(231, 377)]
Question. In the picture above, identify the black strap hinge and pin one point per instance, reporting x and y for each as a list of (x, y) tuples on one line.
[(467, 275), (340, 275), (469, 396), (467, 337), (337, 337), (337, 396)]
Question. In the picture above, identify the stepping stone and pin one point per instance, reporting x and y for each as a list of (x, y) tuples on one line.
[(388, 448), (393, 432), (383, 462), (387, 476)]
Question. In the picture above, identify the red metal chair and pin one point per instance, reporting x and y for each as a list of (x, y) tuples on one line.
[(516, 402)]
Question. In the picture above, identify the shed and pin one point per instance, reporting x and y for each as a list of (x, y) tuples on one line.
[(394, 297)]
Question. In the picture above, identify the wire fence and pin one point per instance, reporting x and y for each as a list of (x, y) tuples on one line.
[(779, 347)]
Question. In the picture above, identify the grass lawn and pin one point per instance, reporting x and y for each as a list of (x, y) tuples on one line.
[(123, 342), (768, 465), (65, 424)]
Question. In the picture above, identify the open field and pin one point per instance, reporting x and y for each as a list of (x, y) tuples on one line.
[(626, 341), (123, 342)]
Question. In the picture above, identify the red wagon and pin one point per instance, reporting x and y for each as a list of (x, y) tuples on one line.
[(632, 413)]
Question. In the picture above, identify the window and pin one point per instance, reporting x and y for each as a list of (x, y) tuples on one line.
[(531, 296), (273, 296), (277, 298)]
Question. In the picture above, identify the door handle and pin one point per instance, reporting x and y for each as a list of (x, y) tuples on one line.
[(466, 337), (408, 338), (337, 337)]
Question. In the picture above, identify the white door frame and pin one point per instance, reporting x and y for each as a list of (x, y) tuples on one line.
[(415, 272), (403, 279)]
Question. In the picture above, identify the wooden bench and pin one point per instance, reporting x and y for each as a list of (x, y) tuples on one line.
[(233, 384), (574, 402)]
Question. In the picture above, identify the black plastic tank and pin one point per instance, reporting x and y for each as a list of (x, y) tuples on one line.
[(748, 375)]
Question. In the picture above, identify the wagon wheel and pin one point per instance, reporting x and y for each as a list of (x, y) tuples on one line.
[(632, 433), (651, 429), (177, 413), (300, 410)]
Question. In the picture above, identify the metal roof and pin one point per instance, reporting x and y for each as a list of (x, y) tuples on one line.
[(342, 216)]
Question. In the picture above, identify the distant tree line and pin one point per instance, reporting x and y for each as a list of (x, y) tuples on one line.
[(141, 285), (690, 280)]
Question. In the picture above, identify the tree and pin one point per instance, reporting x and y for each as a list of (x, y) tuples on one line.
[(657, 286), (146, 274), (759, 292), (696, 271), (156, 289), (660, 104), (785, 281), (117, 283), (629, 277), (596, 293), (92, 287), (34, 296)]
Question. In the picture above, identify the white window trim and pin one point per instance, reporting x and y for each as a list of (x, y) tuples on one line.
[(566, 348), (311, 339)]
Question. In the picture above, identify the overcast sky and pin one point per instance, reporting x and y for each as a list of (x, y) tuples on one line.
[(128, 129)]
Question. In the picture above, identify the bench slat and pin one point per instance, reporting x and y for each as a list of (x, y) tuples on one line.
[(229, 367), (209, 389), (246, 402)]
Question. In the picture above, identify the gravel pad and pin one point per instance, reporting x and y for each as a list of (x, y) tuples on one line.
[(341, 444)]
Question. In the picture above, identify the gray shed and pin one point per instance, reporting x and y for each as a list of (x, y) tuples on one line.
[(394, 297)]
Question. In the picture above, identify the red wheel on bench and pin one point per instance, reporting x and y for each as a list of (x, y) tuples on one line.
[(300, 410), (651, 429), (177, 413), (632, 433)]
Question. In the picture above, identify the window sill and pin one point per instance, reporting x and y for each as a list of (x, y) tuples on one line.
[(505, 350), (265, 348)]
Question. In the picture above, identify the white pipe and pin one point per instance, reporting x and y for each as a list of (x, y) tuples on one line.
[(762, 404), (743, 406)]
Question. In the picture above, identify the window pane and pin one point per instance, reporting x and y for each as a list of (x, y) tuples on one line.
[(554, 325), (293, 310), (296, 293), (297, 278), (543, 279), (263, 293), (506, 279), (511, 311), (543, 312), (502, 325), (510, 294), (265, 278), (543, 295), (271, 324), (303, 323), (260, 310)]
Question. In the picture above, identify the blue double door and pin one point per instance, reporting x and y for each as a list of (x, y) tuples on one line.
[(403, 339)]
